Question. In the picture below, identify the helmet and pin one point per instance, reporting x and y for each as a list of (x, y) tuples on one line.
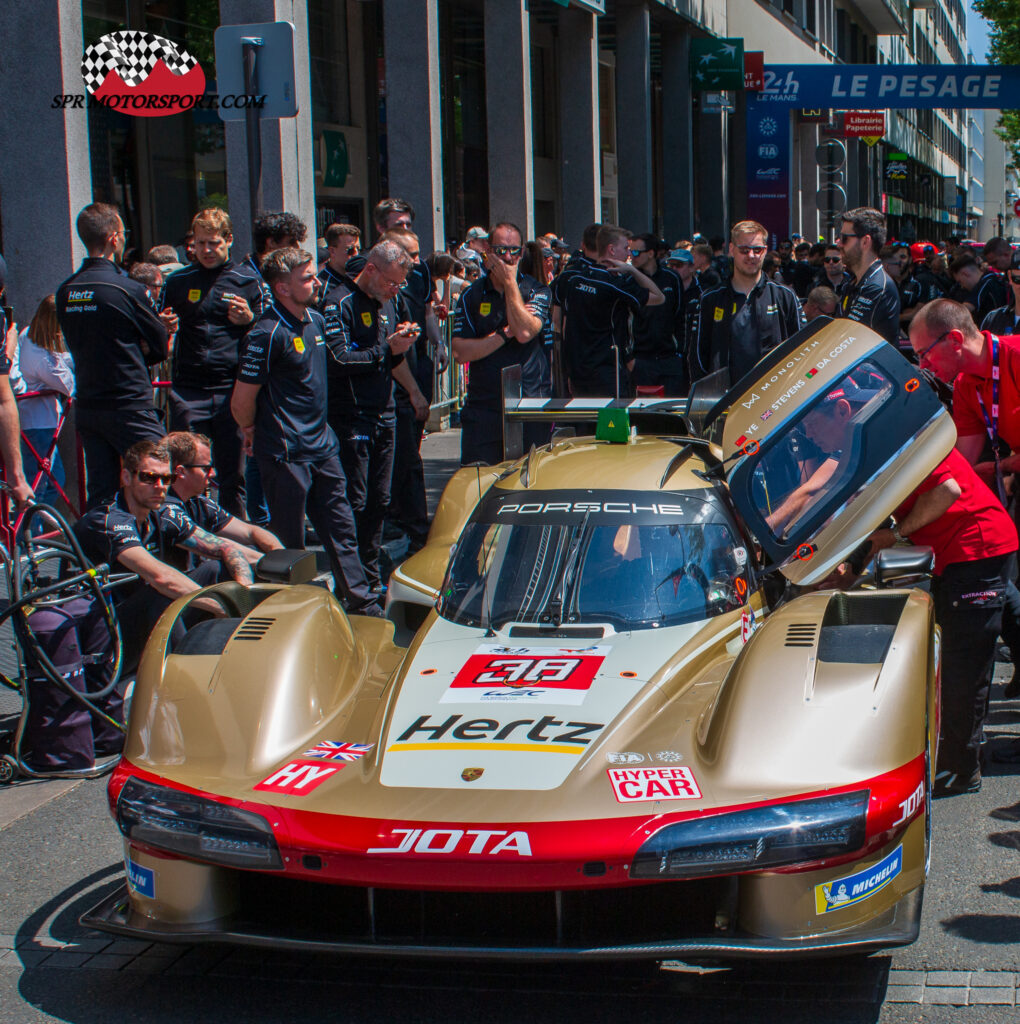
[(920, 251)]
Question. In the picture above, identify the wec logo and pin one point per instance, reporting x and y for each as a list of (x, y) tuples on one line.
[(472, 841)]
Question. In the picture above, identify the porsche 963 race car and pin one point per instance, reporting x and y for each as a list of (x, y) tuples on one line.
[(610, 714)]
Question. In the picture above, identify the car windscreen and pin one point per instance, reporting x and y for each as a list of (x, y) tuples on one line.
[(635, 561)]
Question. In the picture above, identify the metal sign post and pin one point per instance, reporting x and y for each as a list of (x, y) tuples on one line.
[(250, 46)]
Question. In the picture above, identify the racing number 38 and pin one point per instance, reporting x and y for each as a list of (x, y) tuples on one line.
[(528, 670)]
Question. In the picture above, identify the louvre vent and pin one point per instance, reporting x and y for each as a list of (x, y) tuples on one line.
[(801, 634), (253, 629)]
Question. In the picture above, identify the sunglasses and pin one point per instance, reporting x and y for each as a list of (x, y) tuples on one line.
[(752, 250), (1014, 278), (833, 259), (636, 252), (205, 467), (351, 250), (848, 234), (507, 250), (154, 478)]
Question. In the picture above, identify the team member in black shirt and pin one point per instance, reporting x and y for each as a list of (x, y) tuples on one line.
[(343, 241), (833, 274), (738, 322), (597, 303), (365, 342), (114, 335), (872, 298), (581, 259), (279, 402), (1006, 319), (134, 530), (216, 301), (985, 290), (499, 323), (658, 330)]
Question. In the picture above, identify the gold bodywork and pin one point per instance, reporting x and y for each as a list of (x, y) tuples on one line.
[(756, 719)]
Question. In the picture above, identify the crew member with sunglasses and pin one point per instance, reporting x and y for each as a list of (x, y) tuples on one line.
[(499, 323), (343, 242), (1006, 319), (136, 532), (872, 298), (742, 319), (833, 274), (193, 470)]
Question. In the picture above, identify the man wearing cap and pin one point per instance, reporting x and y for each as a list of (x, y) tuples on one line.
[(476, 244), (658, 352), (681, 262), (872, 298), (738, 322), (1006, 319)]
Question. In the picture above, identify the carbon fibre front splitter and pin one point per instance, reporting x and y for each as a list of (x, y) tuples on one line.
[(899, 926)]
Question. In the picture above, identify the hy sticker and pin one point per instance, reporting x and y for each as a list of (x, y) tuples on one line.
[(297, 778)]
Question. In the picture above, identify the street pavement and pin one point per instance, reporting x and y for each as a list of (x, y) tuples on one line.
[(60, 854)]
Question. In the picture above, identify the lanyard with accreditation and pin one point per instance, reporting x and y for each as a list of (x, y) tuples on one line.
[(992, 422)]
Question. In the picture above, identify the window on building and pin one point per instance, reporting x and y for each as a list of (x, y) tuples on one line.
[(328, 62)]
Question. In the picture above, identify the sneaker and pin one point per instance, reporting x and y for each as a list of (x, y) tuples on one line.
[(952, 784)]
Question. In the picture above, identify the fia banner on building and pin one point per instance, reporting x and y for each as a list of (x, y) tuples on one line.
[(768, 167)]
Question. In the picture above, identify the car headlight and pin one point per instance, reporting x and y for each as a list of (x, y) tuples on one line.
[(763, 837), (195, 827)]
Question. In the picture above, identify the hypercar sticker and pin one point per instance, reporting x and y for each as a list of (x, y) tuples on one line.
[(844, 892), (496, 674), (457, 840), (633, 785), (297, 778), (333, 750), (142, 880)]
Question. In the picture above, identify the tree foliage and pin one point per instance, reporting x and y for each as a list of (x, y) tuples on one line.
[(1003, 17)]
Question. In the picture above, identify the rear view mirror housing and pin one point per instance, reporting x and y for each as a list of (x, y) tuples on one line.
[(903, 566)]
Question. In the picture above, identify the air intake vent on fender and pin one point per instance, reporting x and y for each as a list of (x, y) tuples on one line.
[(253, 629), (801, 634)]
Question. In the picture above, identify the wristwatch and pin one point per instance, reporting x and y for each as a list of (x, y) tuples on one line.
[(900, 539)]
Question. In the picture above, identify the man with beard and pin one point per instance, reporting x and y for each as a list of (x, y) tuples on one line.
[(872, 298)]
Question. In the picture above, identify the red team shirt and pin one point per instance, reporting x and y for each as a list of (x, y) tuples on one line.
[(974, 526), (966, 409)]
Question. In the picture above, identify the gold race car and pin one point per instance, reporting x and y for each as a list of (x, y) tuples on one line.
[(612, 712)]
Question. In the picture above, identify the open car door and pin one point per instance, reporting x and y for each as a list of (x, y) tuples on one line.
[(823, 439)]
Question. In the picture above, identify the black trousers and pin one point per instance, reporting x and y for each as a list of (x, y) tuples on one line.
[(105, 436), (600, 383), (320, 489), (366, 454), (481, 436), (671, 373), (969, 600), (208, 412), (409, 508)]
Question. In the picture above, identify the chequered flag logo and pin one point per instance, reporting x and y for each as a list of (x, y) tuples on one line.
[(133, 55)]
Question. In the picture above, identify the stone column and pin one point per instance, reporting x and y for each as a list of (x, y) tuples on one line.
[(45, 175), (677, 141), (414, 139), (712, 215), (578, 74), (288, 166), (508, 113), (634, 114)]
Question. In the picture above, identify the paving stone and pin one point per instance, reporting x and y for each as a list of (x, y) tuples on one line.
[(30, 958), (947, 979), (127, 947), (146, 964), (906, 977), (107, 962), (7, 941), (992, 979), (945, 995), (67, 961), (992, 996), (903, 993)]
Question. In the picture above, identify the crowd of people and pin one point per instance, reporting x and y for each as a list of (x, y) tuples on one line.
[(300, 382)]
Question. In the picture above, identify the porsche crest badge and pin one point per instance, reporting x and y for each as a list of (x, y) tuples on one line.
[(470, 774)]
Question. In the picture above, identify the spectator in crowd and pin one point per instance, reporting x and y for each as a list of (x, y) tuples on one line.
[(151, 278), (499, 323), (114, 335), (165, 257), (135, 530), (799, 273), (721, 262), (217, 301), (998, 254), (366, 340), (983, 289), (1006, 319), (821, 301), (833, 274), (280, 402), (186, 250), (342, 242), (42, 363), (743, 319), (658, 331), (770, 268), (193, 472), (917, 285), (708, 276), (475, 246), (681, 262), (871, 298), (597, 303), (273, 231)]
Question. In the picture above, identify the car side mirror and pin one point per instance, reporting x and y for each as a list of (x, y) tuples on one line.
[(286, 566), (903, 566)]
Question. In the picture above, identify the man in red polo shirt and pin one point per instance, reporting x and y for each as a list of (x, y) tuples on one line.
[(975, 544)]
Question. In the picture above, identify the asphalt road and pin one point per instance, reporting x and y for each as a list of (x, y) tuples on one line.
[(60, 853)]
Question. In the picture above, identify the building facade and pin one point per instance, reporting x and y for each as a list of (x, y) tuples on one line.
[(550, 113)]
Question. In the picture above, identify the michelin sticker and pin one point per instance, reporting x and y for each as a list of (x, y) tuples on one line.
[(844, 892), (142, 880)]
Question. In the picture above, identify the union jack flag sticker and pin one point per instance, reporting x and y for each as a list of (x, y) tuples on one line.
[(331, 750)]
